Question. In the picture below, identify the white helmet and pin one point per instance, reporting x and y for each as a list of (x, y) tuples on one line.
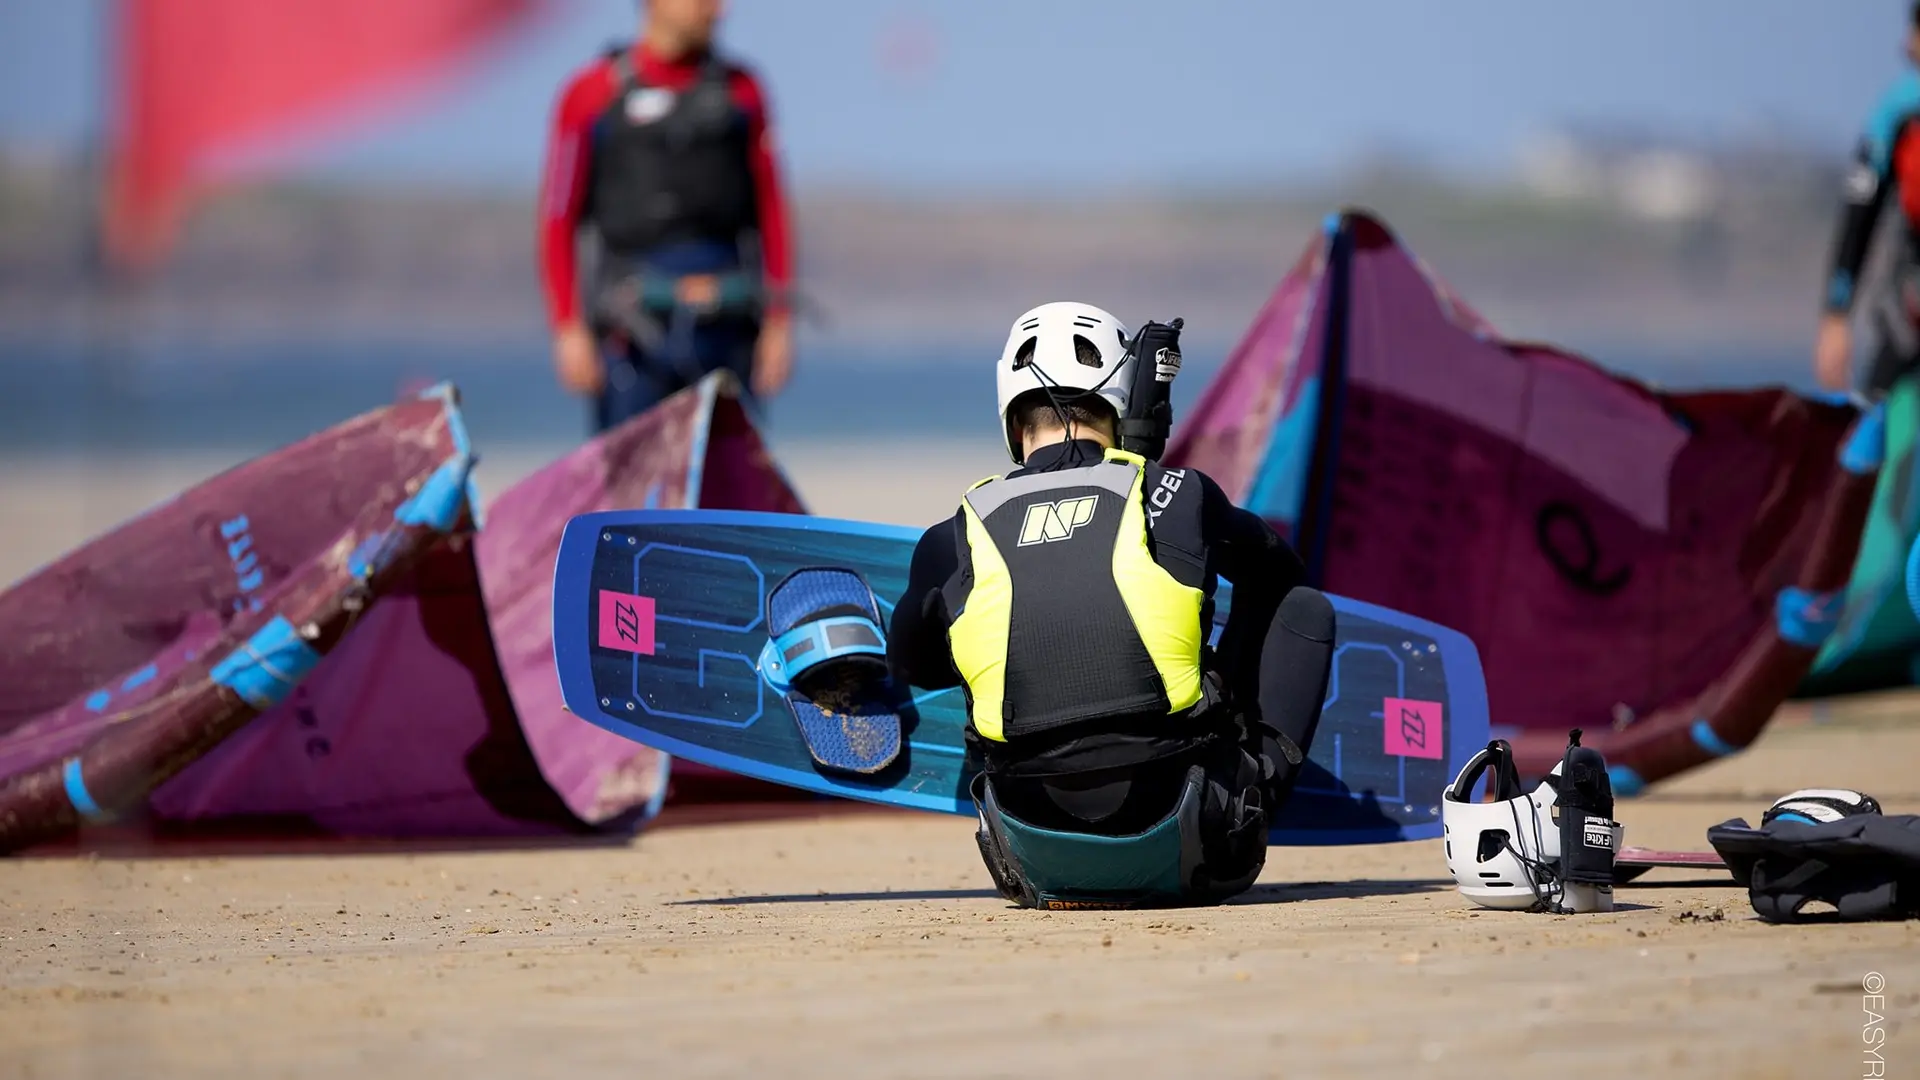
[(1505, 854), (1073, 348)]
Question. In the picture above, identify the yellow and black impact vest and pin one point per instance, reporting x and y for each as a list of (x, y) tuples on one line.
[(1066, 617)]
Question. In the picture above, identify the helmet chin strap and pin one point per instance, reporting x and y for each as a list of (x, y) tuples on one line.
[(1059, 402)]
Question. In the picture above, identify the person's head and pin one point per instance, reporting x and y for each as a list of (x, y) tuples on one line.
[(1039, 422), (1065, 373), (676, 28), (1913, 33)]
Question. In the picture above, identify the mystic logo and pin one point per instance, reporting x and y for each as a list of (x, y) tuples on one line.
[(1047, 522), (1166, 364), (625, 623), (1582, 566)]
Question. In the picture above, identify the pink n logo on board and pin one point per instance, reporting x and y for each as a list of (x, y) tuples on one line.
[(626, 623), (1414, 728)]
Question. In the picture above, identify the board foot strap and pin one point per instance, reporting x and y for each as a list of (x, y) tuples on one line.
[(827, 656)]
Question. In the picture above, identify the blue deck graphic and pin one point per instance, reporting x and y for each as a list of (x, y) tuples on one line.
[(699, 695)]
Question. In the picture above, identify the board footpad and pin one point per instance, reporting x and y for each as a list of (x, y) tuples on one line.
[(827, 656)]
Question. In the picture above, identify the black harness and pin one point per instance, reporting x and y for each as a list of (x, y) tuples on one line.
[(1867, 866)]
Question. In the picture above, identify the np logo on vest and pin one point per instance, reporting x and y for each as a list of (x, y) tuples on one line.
[(1047, 522), (648, 103)]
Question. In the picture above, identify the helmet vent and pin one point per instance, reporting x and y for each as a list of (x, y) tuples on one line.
[(1030, 324), (1492, 843), (1087, 352), (1025, 355), (1087, 322)]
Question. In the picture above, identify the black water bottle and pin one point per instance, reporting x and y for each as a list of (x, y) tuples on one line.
[(1588, 832)]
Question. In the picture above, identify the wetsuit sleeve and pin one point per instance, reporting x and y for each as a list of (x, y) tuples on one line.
[(917, 639), (563, 188), (776, 238), (1867, 185), (1869, 182), (1263, 568)]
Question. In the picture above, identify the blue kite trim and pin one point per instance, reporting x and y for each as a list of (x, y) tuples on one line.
[(1866, 449), (77, 792), (1709, 740), (268, 666)]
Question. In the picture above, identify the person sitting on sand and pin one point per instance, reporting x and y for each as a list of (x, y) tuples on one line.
[(1123, 762)]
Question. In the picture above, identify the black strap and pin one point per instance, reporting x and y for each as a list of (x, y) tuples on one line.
[(1007, 876), (1856, 895), (1779, 899)]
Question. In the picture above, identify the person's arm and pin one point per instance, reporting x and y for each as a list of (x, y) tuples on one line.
[(1263, 568), (773, 352), (563, 189), (770, 201), (917, 650), (1867, 186)]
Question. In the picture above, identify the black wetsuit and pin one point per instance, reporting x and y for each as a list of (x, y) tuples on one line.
[(1121, 774)]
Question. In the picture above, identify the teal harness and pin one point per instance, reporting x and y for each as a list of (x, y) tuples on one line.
[(1164, 866)]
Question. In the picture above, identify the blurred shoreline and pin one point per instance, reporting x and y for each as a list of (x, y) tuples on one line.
[(1728, 259), (291, 307)]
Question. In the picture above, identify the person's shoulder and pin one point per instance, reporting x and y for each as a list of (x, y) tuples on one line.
[(938, 542), (744, 80), (590, 86), (1179, 477), (1903, 90), (736, 66), (935, 531), (1897, 104)]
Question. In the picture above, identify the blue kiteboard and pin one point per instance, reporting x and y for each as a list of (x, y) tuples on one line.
[(755, 643)]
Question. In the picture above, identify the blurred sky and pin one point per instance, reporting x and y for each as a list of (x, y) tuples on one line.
[(1057, 95)]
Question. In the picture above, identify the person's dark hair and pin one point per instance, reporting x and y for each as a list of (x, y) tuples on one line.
[(1033, 411)]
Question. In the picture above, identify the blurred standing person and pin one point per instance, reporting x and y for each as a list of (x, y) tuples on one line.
[(665, 151), (1886, 163)]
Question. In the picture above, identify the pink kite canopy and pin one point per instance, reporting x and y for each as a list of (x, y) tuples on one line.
[(1656, 568), (170, 660)]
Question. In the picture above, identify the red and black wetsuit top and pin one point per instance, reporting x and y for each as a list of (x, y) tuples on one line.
[(656, 153)]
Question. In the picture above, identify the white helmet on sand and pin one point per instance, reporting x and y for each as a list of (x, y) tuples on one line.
[(1072, 348), (1505, 854)]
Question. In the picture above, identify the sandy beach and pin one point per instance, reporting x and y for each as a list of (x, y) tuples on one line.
[(847, 942), (857, 943)]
